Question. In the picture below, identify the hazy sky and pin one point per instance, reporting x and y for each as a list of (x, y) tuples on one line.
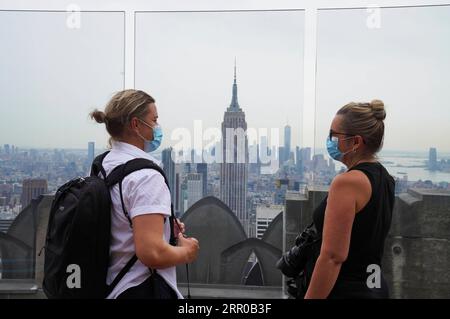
[(405, 63), (52, 76), (187, 62)]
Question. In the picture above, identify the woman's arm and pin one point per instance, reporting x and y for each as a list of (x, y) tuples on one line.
[(348, 192), (151, 248)]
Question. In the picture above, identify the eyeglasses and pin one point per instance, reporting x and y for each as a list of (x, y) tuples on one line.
[(345, 134), (338, 133)]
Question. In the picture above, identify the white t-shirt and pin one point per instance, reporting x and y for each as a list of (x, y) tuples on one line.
[(144, 192)]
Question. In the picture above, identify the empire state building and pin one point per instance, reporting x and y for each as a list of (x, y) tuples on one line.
[(234, 166)]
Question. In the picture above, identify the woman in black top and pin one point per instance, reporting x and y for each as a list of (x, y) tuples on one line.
[(356, 215)]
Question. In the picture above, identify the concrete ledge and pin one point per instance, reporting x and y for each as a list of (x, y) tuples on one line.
[(202, 291), (18, 289)]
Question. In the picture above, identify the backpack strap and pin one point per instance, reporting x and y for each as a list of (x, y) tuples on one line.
[(97, 166), (121, 171), (116, 177), (121, 274)]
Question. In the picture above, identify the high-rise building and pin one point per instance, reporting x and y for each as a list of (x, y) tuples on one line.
[(287, 143), (202, 169), (31, 189), (234, 166), (91, 153), (306, 153), (432, 159), (264, 150), (7, 149), (319, 163), (265, 214), (169, 170), (281, 156), (177, 192), (281, 187), (194, 188), (188, 168), (298, 160), (184, 199), (331, 165), (303, 158)]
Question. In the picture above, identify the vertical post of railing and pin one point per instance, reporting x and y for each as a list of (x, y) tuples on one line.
[(130, 16), (309, 77)]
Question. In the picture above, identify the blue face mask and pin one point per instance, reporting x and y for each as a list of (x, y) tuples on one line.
[(333, 148), (152, 145)]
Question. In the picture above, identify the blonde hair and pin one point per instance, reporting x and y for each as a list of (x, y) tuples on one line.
[(122, 107), (366, 120)]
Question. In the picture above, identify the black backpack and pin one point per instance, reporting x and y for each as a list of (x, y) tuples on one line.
[(79, 231)]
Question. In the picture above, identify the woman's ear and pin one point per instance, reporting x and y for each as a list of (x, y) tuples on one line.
[(359, 142)]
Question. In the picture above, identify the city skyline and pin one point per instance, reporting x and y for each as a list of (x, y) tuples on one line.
[(191, 183)]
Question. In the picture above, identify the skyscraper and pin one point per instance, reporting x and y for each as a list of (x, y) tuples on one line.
[(177, 199), (281, 187), (281, 156), (265, 214), (6, 149), (169, 170), (432, 159), (287, 142), (31, 189), (202, 169), (264, 149), (298, 160), (194, 188), (305, 158), (234, 166)]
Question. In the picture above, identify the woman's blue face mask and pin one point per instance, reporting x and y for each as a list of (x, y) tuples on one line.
[(333, 146)]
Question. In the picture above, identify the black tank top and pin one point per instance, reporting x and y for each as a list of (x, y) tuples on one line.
[(370, 226)]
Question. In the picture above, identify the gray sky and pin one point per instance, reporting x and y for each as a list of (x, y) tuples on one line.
[(52, 76), (187, 63), (405, 63)]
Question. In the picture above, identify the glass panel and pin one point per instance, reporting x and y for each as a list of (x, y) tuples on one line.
[(212, 72), (56, 67)]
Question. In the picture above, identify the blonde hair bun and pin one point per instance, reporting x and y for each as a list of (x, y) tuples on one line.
[(378, 109), (98, 116)]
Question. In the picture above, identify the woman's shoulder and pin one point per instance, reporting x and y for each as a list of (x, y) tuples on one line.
[(355, 180)]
